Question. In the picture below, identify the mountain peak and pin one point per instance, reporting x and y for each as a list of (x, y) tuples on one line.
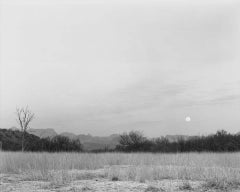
[(13, 128), (43, 133)]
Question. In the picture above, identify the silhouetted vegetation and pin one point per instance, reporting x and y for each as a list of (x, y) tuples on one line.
[(219, 142), (12, 141), (60, 143), (133, 141)]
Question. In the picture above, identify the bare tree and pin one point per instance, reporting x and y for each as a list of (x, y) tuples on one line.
[(132, 141), (24, 117)]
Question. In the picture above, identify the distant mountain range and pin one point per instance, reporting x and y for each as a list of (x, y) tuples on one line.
[(95, 142), (89, 142)]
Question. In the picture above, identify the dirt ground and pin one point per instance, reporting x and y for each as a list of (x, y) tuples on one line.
[(20, 183), (14, 183)]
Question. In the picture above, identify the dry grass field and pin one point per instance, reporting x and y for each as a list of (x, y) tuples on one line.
[(145, 172)]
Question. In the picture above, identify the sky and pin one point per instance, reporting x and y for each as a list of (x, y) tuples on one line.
[(112, 66)]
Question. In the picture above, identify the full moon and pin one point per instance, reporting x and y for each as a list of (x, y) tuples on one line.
[(187, 119)]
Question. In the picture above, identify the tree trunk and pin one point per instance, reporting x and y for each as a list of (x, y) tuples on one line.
[(23, 134)]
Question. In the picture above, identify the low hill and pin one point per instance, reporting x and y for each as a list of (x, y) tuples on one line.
[(11, 140), (95, 142)]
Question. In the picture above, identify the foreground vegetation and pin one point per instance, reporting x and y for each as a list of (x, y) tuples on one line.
[(215, 170)]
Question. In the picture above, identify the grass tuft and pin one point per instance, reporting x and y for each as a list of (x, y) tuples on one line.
[(114, 178), (221, 184), (186, 186), (153, 189)]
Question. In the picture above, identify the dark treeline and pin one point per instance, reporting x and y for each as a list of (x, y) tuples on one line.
[(133, 141), (11, 141), (57, 144), (219, 142)]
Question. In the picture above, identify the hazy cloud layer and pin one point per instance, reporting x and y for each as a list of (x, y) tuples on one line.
[(106, 67)]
